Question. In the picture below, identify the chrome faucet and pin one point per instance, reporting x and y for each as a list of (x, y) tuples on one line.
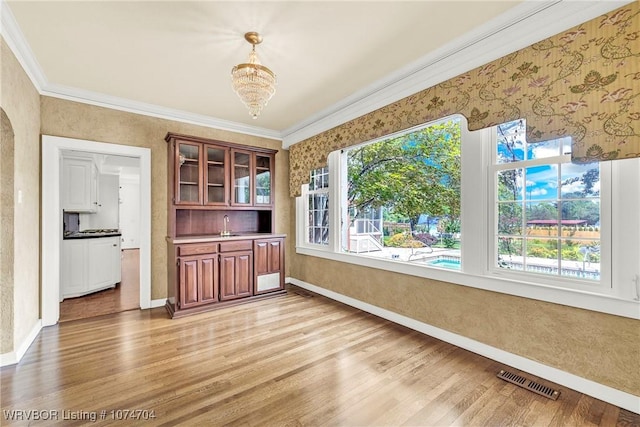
[(225, 221)]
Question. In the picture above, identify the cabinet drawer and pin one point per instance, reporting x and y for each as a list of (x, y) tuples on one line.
[(241, 245), (197, 249)]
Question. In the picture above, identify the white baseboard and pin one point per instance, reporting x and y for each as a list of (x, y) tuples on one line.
[(7, 359), (14, 357), (583, 385), (155, 303)]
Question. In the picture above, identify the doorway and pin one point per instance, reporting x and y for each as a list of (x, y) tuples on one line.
[(52, 148), (118, 209)]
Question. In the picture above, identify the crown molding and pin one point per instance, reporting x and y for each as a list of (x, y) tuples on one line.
[(529, 22), (130, 106)]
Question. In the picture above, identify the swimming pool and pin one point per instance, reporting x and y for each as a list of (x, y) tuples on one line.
[(453, 264)]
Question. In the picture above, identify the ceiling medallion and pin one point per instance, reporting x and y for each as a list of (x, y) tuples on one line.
[(254, 83)]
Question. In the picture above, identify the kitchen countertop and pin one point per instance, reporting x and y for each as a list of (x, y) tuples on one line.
[(83, 235), (201, 238)]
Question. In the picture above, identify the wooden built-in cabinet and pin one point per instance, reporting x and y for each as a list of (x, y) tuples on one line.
[(206, 174), (216, 186)]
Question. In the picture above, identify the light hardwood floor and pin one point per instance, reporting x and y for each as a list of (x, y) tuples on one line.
[(125, 296), (297, 359)]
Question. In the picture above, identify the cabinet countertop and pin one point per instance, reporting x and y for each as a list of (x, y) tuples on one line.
[(81, 235), (201, 238)]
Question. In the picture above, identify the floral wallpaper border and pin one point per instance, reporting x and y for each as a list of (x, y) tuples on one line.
[(583, 83)]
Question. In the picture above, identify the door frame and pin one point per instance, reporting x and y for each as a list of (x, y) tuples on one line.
[(51, 217)]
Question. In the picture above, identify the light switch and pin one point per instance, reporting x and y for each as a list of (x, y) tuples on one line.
[(19, 196)]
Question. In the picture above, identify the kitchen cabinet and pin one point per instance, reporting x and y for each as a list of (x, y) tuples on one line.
[(251, 178), (198, 280), (202, 174), (79, 192), (221, 201), (236, 269), (217, 174), (89, 265), (188, 185), (269, 264), (218, 271), (236, 275)]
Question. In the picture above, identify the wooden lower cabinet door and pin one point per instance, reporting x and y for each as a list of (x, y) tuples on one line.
[(198, 280), (189, 283), (209, 280), (236, 275)]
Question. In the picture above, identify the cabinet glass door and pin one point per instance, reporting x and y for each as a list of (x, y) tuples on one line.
[(263, 180), (188, 174), (241, 178), (216, 178)]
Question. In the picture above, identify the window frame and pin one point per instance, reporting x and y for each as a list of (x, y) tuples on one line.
[(603, 285), (621, 299), (305, 200)]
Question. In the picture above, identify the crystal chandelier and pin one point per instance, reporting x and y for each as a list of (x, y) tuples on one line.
[(254, 83)]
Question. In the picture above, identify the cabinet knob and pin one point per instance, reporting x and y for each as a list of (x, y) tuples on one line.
[(114, 245)]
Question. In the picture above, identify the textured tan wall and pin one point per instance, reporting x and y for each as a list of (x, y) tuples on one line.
[(596, 346), (6, 233), (76, 120), (21, 102)]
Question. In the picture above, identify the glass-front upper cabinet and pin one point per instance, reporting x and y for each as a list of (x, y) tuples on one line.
[(241, 179), (188, 184), (264, 165), (216, 173)]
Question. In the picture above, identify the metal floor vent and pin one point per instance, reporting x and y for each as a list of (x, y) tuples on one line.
[(528, 384)]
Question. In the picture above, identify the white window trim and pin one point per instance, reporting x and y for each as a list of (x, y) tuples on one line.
[(602, 286), (476, 178)]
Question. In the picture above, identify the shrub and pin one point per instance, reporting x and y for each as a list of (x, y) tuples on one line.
[(449, 241), (403, 240), (425, 238), (541, 252), (571, 253), (398, 240)]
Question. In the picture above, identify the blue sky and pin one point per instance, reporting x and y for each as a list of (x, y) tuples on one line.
[(541, 181)]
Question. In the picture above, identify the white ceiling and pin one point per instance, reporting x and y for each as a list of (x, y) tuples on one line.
[(177, 55)]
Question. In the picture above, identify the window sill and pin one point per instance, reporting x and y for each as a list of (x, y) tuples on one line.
[(494, 282)]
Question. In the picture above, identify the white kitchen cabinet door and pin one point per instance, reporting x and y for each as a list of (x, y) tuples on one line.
[(79, 185), (73, 278), (102, 262)]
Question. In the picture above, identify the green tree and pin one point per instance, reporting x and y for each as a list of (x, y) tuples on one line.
[(416, 173)]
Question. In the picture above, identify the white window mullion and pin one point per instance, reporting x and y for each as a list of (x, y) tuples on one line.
[(335, 200), (475, 228)]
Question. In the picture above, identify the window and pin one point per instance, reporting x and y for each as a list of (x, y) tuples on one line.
[(520, 217), (317, 198), (401, 198), (547, 208)]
